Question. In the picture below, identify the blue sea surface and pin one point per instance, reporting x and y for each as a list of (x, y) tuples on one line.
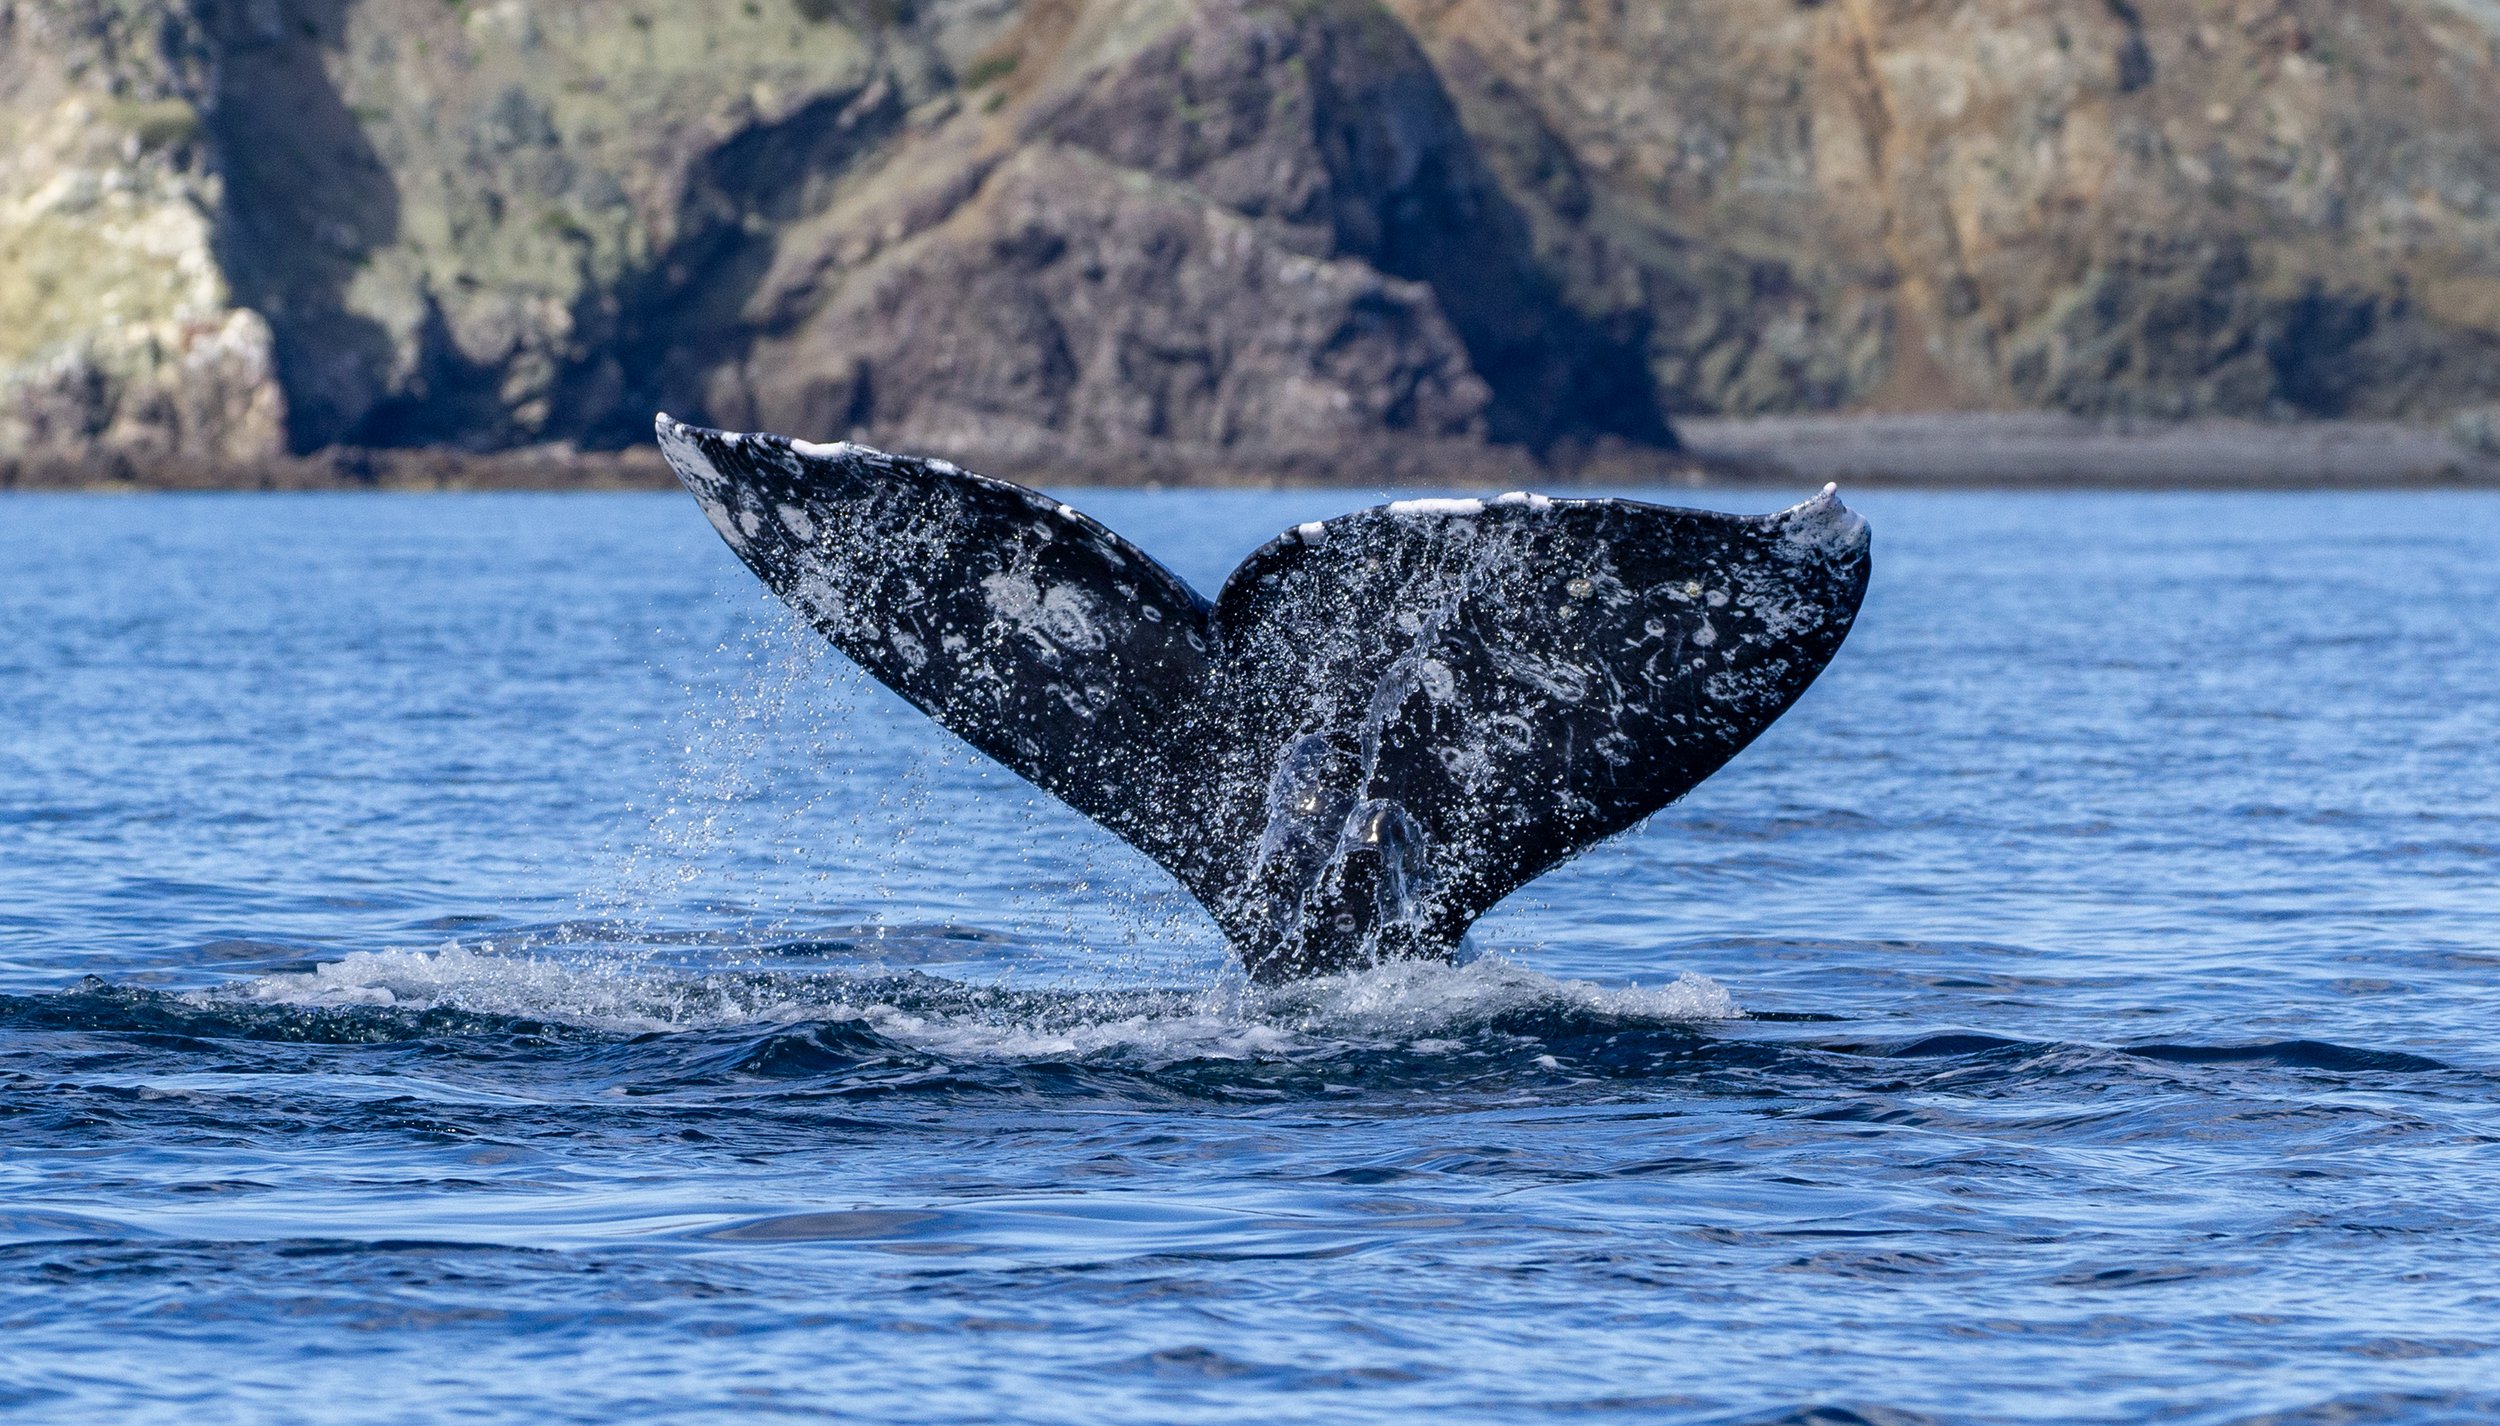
[(471, 957)]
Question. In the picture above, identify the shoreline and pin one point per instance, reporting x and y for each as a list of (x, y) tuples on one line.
[(2031, 450), (1930, 451)]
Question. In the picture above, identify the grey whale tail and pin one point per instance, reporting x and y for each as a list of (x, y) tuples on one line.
[(1382, 724)]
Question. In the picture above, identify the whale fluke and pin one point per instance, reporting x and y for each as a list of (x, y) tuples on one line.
[(1383, 724)]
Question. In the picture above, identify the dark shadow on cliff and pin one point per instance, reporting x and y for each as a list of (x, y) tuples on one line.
[(683, 318), (1433, 213), (307, 200), (2347, 355)]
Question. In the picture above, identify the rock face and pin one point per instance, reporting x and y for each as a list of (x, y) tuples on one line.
[(1259, 233), (2231, 207)]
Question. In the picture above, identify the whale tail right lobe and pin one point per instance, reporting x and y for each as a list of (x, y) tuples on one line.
[(1502, 684)]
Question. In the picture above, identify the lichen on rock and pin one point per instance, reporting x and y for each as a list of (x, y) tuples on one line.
[(120, 341)]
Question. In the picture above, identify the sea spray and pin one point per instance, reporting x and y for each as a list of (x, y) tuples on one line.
[(754, 812), (762, 828)]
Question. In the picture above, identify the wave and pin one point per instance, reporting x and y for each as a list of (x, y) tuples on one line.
[(567, 1015)]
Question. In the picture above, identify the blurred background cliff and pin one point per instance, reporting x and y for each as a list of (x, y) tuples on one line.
[(1209, 238)]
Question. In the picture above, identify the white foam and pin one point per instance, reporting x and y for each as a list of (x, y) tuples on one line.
[(1428, 995), (1436, 507), (1411, 1005)]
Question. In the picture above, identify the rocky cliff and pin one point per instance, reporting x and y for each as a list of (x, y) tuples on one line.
[(2234, 207), (1176, 234)]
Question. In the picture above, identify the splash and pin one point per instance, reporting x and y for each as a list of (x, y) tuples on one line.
[(1417, 1006)]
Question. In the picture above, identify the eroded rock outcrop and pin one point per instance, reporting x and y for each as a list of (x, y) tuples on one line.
[(1241, 231), (121, 343), (1074, 305)]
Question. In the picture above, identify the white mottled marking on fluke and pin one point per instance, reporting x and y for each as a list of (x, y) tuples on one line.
[(1436, 507), (1060, 616), (1824, 525)]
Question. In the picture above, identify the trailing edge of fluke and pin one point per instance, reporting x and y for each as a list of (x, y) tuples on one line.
[(1382, 725)]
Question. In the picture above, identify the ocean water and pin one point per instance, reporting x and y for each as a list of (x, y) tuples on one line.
[(470, 958)]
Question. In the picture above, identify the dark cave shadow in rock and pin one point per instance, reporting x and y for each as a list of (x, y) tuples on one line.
[(307, 201)]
